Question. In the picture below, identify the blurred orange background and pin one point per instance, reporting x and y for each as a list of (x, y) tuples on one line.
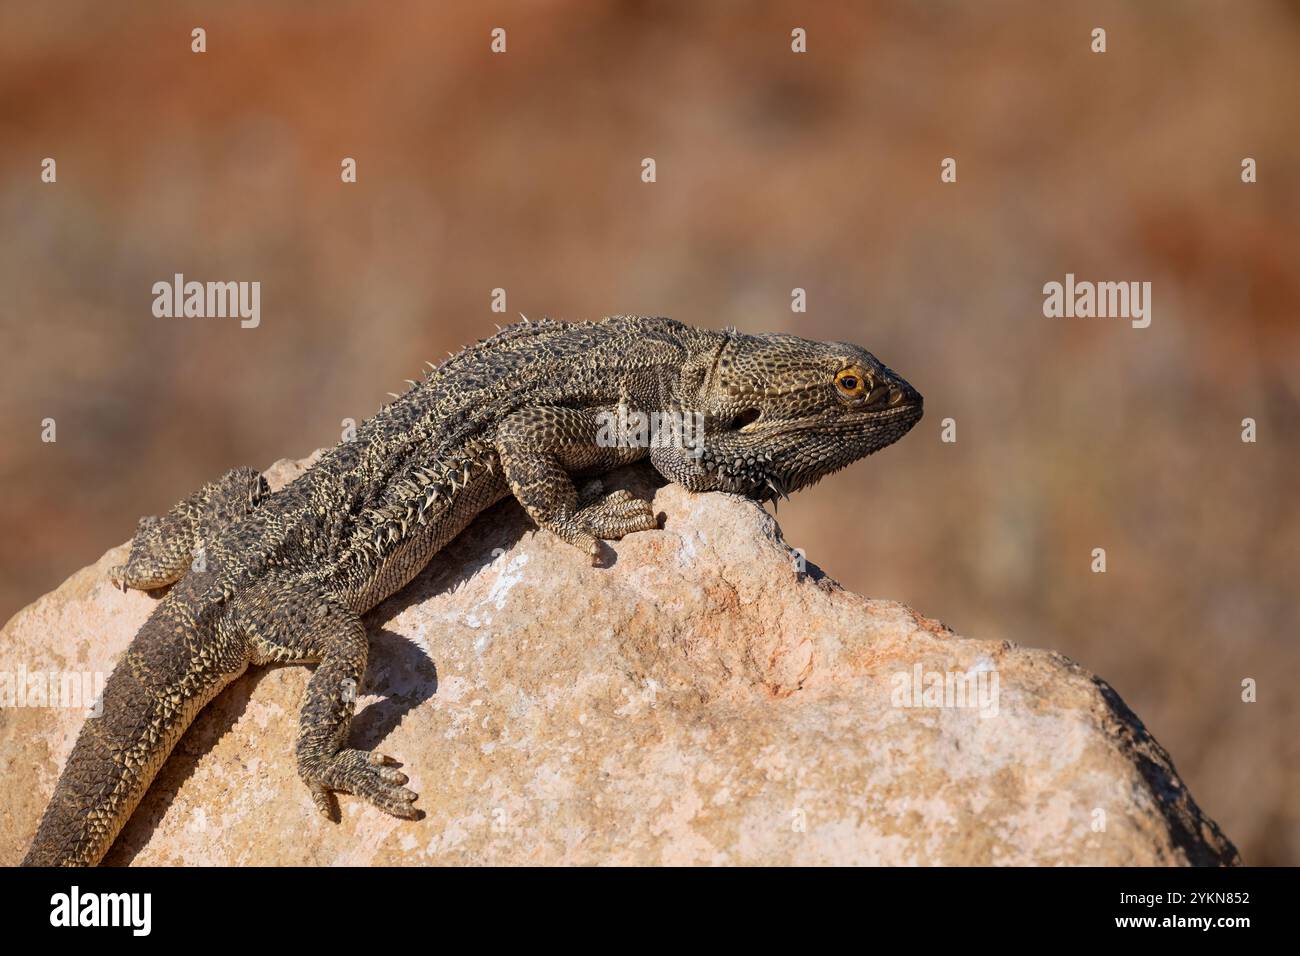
[(775, 171)]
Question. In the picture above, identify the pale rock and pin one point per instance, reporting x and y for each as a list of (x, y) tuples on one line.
[(696, 700)]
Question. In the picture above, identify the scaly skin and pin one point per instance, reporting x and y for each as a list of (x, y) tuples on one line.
[(285, 577)]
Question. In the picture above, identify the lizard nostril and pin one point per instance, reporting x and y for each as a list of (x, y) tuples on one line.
[(904, 395)]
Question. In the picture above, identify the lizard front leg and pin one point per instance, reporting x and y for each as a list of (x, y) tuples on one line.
[(540, 447), (295, 625)]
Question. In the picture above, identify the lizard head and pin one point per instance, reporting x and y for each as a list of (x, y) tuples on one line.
[(780, 413)]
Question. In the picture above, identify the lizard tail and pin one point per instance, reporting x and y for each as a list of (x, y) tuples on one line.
[(149, 700)]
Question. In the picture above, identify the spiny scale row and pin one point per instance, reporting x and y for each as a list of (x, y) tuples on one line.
[(424, 493)]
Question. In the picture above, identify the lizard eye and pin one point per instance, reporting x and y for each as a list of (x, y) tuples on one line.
[(851, 383), (747, 417)]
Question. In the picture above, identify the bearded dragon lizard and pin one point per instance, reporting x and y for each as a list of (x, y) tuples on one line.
[(286, 577)]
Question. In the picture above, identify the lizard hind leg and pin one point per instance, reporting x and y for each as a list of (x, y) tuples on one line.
[(164, 549), (296, 625)]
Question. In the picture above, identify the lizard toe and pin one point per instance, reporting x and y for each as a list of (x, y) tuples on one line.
[(325, 802), (626, 516)]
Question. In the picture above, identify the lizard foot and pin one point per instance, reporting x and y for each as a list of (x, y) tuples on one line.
[(618, 514), (369, 775), (136, 572)]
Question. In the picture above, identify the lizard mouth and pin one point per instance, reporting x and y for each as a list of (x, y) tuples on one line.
[(911, 412), (843, 440), (897, 420)]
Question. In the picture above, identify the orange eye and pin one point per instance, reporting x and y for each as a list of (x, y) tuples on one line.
[(851, 383)]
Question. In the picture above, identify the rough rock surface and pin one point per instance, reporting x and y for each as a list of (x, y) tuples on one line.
[(697, 700)]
